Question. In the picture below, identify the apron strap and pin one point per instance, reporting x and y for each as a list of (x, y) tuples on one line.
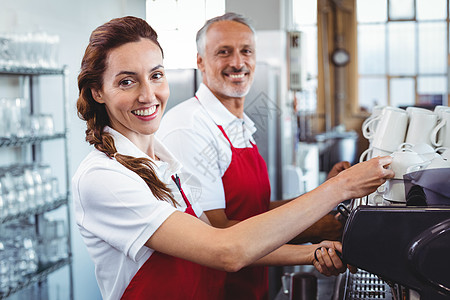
[(177, 181), (225, 135)]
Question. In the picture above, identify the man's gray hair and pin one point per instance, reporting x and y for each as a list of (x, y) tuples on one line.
[(200, 39)]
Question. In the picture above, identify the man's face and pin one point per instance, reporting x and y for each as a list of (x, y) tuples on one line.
[(228, 62)]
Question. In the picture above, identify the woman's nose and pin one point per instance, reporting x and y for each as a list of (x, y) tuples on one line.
[(147, 93)]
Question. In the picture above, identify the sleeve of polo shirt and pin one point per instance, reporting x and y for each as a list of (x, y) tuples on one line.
[(120, 209), (200, 158)]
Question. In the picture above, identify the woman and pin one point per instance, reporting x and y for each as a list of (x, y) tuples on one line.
[(145, 237)]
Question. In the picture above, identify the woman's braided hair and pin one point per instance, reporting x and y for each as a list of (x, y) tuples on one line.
[(103, 39)]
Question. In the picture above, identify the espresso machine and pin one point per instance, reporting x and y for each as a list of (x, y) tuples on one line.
[(399, 236), (402, 252)]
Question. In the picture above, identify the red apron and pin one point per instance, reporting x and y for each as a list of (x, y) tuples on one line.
[(167, 277), (247, 193)]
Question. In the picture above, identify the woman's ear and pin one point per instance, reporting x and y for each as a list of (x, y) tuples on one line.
[(97, 95)]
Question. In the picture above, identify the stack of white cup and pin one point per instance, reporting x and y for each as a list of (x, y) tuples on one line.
[(385, 132), (440, 136), (413, 137)]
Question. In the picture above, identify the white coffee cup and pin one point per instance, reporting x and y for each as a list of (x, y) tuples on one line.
[(370, 124), (444, 152), (391, 129), (402, 160), (436, 163), (438, 109), (425, 150), (372, 152), (394, 190), (440, 135), (412, 109), (376, 199), (421, 124)]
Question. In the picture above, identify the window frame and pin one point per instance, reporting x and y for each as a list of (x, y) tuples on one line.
[(417, 74)]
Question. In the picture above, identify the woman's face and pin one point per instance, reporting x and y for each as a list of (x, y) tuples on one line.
[(135, 89)]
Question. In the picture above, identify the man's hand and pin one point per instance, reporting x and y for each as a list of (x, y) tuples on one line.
[(327, 261), (337, 168)]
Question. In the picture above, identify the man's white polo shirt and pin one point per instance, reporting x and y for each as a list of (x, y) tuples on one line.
[(189, 130), (117, 213)]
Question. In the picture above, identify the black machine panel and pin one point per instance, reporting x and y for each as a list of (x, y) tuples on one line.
[(406, 245)]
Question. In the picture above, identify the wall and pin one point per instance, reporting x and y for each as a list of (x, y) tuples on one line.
[(73, 21), (271, 17)]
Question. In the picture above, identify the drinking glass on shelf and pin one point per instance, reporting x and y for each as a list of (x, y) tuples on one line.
[(22, 50), (53, 241), (17, 110), (53, 50), (5, 49), (34, 125), (30, 50), (4, 118), (45, 171), (9, 194), (46, 126), (8, 51), (46, 177), (38, 186), (21, 190), (39, 47), (30, 186), (3, 208), (4, 267), (55, 188), (28, 255)]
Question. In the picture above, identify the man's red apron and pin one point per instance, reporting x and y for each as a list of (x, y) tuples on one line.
[(167, 277), (247, 193)]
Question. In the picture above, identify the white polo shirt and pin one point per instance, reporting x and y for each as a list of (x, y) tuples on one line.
[(117, 213), (189, 130)]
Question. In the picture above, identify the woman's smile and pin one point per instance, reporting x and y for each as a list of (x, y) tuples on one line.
[(146, 113)]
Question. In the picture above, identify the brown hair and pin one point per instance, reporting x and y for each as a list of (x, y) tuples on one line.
[(103, 39)]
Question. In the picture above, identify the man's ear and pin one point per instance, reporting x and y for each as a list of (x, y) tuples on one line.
[(200, 64), (97, 95)]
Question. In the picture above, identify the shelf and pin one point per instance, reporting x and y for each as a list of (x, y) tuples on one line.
[(28, 87), (36, 211), (30, 71), (39, 276), (13, 142)]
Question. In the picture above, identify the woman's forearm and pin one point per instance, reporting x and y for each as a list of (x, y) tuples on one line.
[(289, 255), (250, 240), (264, 233)]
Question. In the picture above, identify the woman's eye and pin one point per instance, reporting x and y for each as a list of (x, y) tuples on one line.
[(157, 75), (126, 82)]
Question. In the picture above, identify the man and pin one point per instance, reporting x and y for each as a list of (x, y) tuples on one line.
[(212, 137)]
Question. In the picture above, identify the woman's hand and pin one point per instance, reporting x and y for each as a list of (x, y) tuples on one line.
[(326, 260), (364, 178)]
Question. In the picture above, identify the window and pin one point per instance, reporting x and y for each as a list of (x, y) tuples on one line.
[(402, 52), (305, 20), (177, 33)]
